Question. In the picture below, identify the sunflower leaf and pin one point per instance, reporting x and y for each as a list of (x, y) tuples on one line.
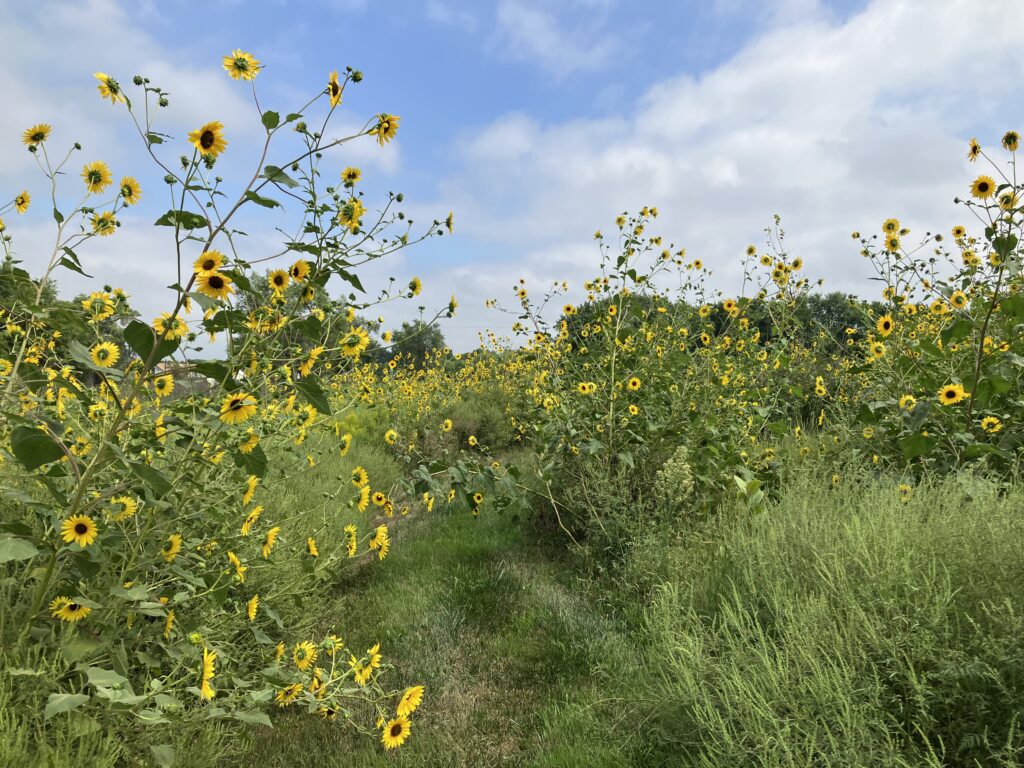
[(310, 388), (13, 548), (276, 175), (181, 220), (63, 702), (266, 202), (34, 448)]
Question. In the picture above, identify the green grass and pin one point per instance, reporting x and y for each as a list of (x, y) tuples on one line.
[(493, 624)]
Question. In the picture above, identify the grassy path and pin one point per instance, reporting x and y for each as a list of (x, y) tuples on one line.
[(489, 620)]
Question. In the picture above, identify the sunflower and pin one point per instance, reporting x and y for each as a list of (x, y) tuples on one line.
[(241, 65), (237, 408), (363, 500), (633, 384), (130, 190), (288, 695), (355, 342), (170, 329), (66, 609), (890, 226), (268, 543), (334, 89), (472, 440), (250, 443), (37, 134), (905, 492), (278, 280), (379, 499), (359, 477), (250, 520), (311, 547), (208, 261), (304, 654), (216, 285), (122, 508), (390, 437), (991, 424), (209, 140), (80, 529), (885, 325), (958, 299), (415, 286), (105, 354), (951, 394), (386, 128), (171, 548), (973, 150), (907, 402), (206, 673), (350, 176), (410, 700), (452, 306), (396, 732), (959, 231), (983, 187), (163, 385), (237, 563), (351, 214), (1011, 141), (104, 224), (22, 201), (96, 176), (876, 350), (299, 271)]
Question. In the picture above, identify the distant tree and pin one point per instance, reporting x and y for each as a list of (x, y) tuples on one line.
[(416, 340)]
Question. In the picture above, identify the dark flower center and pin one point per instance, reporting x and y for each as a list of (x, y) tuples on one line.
[(206, 139), (73, 606), (396, 730), (216, 282), (81, 529)]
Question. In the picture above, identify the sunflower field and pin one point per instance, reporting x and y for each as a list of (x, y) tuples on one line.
[(682, 527)]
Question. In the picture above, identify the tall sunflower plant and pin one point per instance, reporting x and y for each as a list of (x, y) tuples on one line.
[(152, 561)]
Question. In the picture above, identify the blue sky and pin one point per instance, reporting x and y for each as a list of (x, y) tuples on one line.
[(537, 121)]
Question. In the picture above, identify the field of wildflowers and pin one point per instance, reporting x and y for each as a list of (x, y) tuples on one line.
[(196, 505)]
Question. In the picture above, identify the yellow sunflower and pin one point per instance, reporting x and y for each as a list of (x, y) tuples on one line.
[(171, 548), (1011, 141), (951, 394), (241, 65), (973, 150), (415, 286), (396, 732), (958, 299), (79, 529), (104, 224), (278, 280), (885, 325), (991, 424), (299, 271), (386, 128), (304, 654), (21, 202), (206, 673), (96, 176), (891, 226), (216, 285), (633, 384), (130, 190), (252, 607), (66, 609), (983, 187), (208, 261), (334, 89), (237, 408), (209, 139), (351, 214), (168, 328), (109, 88), (37, 134), (105, 354)]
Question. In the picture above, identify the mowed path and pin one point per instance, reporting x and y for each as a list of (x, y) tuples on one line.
[(498, 629)]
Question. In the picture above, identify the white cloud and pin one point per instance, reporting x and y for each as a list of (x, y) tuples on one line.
[(835, 126), (531, 32), (447, 14)]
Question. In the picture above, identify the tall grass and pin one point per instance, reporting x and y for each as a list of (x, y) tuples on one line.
[(845, 628)]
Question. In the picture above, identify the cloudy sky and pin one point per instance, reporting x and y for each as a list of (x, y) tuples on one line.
[(537, 121)]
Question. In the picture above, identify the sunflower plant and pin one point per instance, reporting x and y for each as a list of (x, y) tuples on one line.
[(149, 558)]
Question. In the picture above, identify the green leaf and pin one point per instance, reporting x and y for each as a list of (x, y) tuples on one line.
[(69, 264), (276, 175), (182, 220), (106, 678), (154, 138), (34, 448), (351, 280), (253, 718), (266, 202), (58, 216), (310, 388), (163, 755), (271, 120), (142, 338), (254, 462), (63, 702), (916, 445), (151, 477), (959, 329), (13, 548)]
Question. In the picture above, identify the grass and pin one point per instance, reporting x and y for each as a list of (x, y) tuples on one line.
[(487, 618)]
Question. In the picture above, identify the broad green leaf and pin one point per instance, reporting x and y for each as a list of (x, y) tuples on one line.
[(34, 448), (266, 202), (13, 548), (271, 120), (310, 388), (63, 702), (182, 220)]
